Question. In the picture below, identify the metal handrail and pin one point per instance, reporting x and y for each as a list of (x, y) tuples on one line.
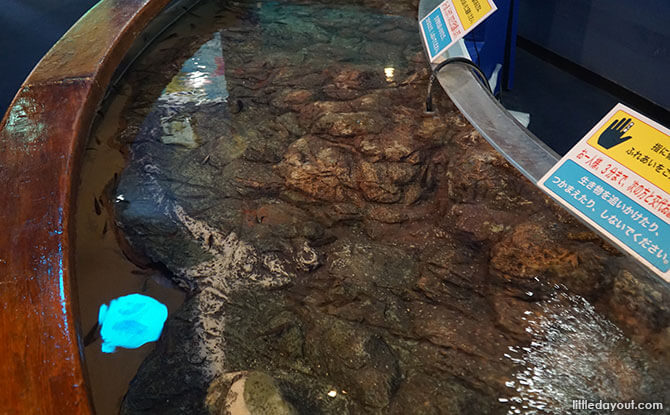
[(525, 151)]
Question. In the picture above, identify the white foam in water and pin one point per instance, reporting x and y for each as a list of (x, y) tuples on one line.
[(576, 354)]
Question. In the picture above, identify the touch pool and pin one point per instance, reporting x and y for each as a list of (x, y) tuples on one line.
[(340, 250)]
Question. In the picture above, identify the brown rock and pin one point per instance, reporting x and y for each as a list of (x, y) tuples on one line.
[(375, 184), (395, 145), (349, 83), (636, 300), (529, 251), (317, 168), (292, 98), (349, 124), (483, 223)]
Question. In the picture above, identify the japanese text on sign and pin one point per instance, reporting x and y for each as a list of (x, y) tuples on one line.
[(617, 179), (645, 233), (450, 21), (639, 144), (471, 11)]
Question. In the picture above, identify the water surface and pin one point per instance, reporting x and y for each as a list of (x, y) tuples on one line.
[(346, 251)]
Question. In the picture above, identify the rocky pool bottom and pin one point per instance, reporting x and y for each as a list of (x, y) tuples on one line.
[(345, 253)]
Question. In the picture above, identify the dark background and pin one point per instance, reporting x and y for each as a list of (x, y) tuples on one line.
[(627, 42), (28, 29)]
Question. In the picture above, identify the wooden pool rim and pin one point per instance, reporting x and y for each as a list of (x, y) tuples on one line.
[(42, 138)]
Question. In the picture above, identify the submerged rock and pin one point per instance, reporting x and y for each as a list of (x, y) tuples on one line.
[(351, 255), (247, 393)]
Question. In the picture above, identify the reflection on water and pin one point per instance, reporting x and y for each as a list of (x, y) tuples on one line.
[(389, 72), (342, 251), (200, 81), (575, 354)]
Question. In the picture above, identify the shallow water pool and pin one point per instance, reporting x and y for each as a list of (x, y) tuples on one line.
[(340, 250)]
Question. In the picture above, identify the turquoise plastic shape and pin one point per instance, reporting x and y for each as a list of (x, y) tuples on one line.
[(131, 321)]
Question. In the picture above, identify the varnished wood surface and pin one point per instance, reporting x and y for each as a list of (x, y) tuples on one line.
[(41, 143)]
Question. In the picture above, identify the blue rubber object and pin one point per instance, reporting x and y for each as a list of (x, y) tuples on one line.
[(131, 321)]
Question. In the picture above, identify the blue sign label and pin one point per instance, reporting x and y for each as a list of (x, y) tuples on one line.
[(435, 30), (630, 223)]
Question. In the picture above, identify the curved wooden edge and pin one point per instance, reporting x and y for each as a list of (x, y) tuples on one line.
[(42, 137)]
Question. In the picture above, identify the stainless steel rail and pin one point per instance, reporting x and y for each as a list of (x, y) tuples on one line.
[(520, 147), (516, 143)]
